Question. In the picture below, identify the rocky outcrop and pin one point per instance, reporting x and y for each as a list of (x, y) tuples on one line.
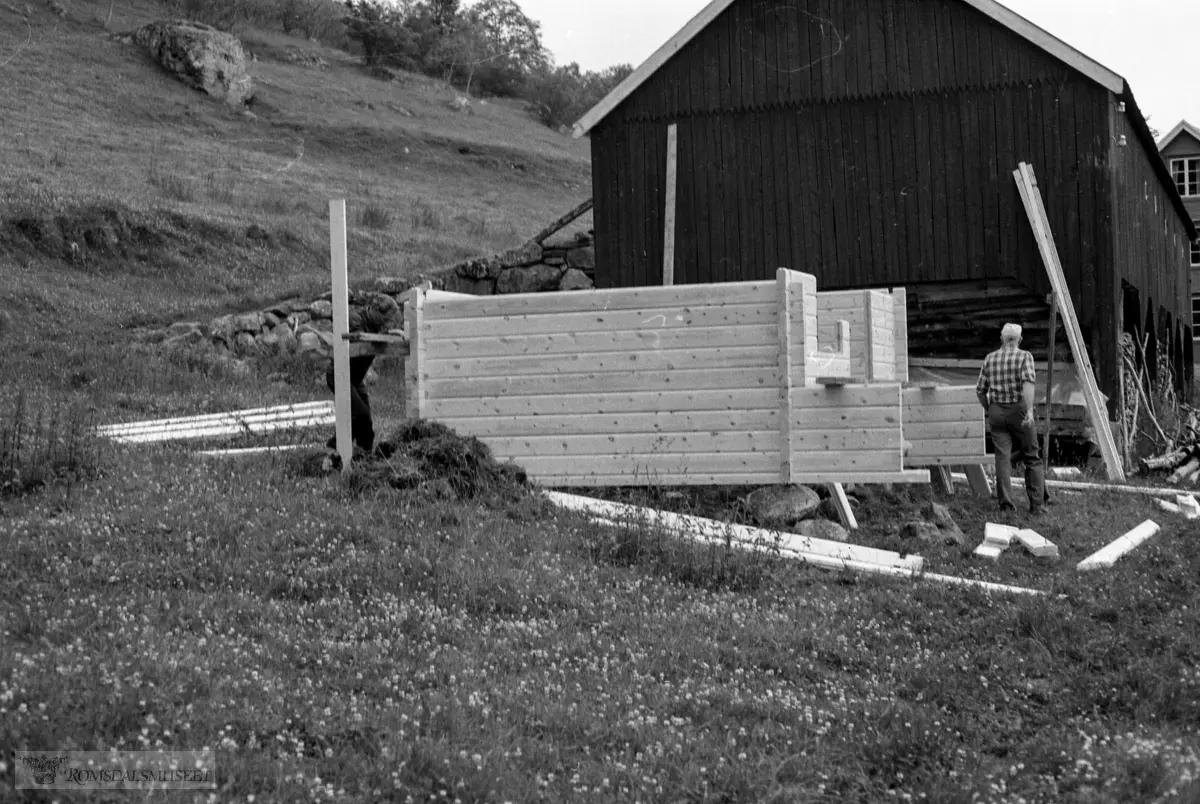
[(201, 56)]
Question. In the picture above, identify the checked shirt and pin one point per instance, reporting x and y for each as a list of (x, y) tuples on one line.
[(1004, 372)]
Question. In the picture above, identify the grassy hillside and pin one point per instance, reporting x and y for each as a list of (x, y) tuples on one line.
[(354, 639), (126, 197)]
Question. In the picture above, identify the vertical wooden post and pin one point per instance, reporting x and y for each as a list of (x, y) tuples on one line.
[(1050, 380), (900, 295), (341, 327), (669, 217), (414, 384), (869, 326), (783, 280)]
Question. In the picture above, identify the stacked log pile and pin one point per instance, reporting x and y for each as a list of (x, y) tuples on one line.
[(1183, 459)]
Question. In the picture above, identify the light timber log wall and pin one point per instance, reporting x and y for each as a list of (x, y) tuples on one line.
[(945, 426), (689, 384)]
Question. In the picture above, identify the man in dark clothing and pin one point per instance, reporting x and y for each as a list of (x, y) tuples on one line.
[(369, 312), (1006, 389)]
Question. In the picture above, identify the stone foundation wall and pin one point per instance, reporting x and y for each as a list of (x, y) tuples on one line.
[(305, 326)]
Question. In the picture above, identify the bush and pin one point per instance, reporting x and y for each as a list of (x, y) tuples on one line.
[(561, 96)]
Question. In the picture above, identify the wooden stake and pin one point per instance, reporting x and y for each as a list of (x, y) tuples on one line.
[(565, 220), (341, 327), (1050, 380), (669, 217), (842, 503), (1032, 198), (978, 480)]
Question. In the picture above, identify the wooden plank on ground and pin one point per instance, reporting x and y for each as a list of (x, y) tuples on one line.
[(1108, 555), (1034, 206)]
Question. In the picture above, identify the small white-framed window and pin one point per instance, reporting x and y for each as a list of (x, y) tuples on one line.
[(1186, 173)]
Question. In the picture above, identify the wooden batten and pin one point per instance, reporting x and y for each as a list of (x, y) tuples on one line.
[(900, 330), (789, 375), (415, 391)]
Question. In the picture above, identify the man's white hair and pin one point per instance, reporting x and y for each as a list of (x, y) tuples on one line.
[(1011, 332)]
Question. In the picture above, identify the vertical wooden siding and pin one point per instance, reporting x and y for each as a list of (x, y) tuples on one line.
[(1151, 248)]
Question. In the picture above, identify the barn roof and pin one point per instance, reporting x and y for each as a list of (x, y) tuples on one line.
[(1175, 132), (1006, 17)]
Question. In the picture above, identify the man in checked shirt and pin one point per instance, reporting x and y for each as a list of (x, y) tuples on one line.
[(1005, 389)]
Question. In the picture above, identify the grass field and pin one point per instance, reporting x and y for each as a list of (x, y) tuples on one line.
[(334, 639)]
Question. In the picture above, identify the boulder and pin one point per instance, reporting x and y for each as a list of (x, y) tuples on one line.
[(923, 532), (309, 341), (201, 56), (940, 516), (574, 279), (528, 254), (321, 308), (782, 506), (481, 268), (582, 258), (823, 529), (248, 322), (533, 279), (221, 329)]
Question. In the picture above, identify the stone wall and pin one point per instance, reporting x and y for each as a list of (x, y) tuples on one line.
[(305, 326)]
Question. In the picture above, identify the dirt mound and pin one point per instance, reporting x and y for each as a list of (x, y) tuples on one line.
[(430, 459)]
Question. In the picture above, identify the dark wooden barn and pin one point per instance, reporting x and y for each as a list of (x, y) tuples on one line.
[(872, 143)]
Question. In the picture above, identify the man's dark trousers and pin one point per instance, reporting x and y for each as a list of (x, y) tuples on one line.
[(1009, 432), (362, 431)]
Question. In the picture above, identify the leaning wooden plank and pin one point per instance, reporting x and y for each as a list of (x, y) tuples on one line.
[(978, 479), (1032, 198), (562, 222), (604, 404), (942, 480), (653, 319), (712, 529), (582, 301), (270, 412), (649, 424), (1108, 555), (601, 362), (841, 504), (589, 342)]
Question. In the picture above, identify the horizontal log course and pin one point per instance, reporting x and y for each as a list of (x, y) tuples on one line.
[(586, 301), (592, 342), (608, 403), (608, 321), (553, 384), (665, 465), (601, 362), (645, 424), (635, 446)]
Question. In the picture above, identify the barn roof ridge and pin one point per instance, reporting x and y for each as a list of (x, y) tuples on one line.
[(1035, 35), (1180, 127)]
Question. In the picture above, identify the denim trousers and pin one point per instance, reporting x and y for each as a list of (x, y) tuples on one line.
[(1010, 433)]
